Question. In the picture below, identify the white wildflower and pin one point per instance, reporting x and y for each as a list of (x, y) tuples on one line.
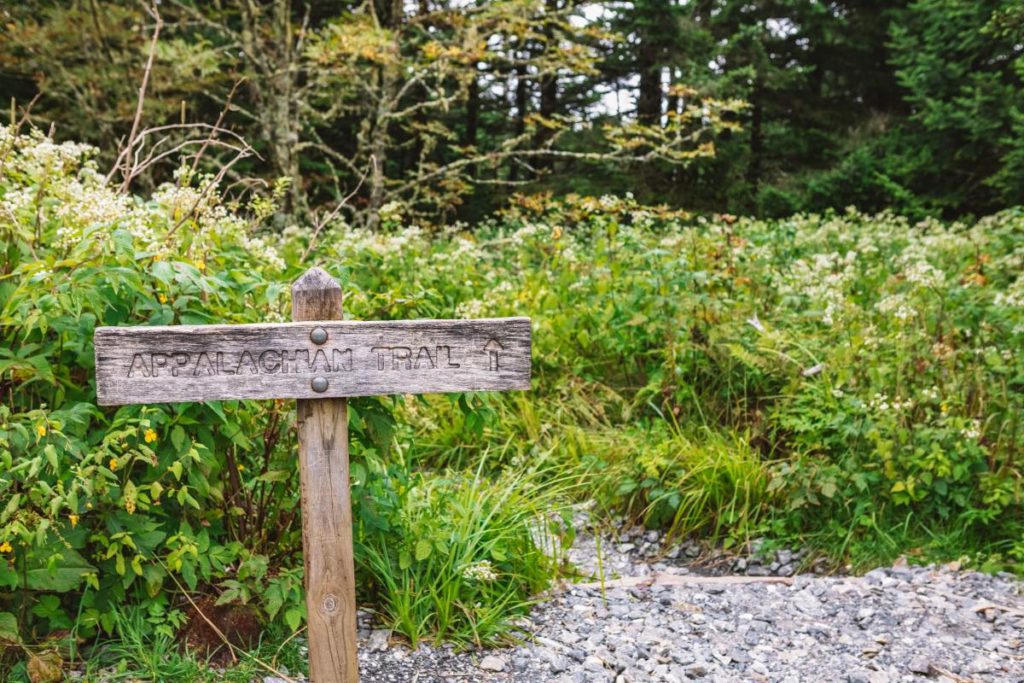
[(897, 306), (925, 274), (481, 571), (973, 431)]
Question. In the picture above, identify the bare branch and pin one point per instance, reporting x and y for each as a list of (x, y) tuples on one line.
[(216, 126), (319, 225), (127, 152)]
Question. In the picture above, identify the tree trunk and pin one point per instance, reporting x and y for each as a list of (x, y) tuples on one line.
[(276, 69), (522, 102), (379, 153), (756, 134), (548, 88), (648, 103), (472, 117)]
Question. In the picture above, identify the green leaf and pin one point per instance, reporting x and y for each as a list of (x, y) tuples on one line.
[(274, 475), (178, 439), (51, 456), (423, 549), (9, 629), (293, 617), (273, 603), (357, 473), (188, 572), (63, 574)]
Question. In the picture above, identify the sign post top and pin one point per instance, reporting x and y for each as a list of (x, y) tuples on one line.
[(316, 296)]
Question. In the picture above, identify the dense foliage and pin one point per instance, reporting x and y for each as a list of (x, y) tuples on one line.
[(845, 377), (104, 509), (915, 105), (850, 380)]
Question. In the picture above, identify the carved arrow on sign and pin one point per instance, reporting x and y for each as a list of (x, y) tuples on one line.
[(492, 347)]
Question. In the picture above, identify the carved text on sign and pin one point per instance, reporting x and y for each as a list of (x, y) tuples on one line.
[(282, 361), (265, 362), (403, 358)]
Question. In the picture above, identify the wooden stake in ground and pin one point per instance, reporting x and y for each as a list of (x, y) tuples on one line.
[(326, 505), (318, 360)]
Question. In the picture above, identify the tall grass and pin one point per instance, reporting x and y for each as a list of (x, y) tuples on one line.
[(463, 554)]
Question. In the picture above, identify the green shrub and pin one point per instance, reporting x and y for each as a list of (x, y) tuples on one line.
[(713, 484), (99, 505), (871, 363)]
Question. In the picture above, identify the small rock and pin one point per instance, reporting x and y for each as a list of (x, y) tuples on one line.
[(492, 663), (981, 665), (378, 640), (559, 664), (696, 670), (920, 665)]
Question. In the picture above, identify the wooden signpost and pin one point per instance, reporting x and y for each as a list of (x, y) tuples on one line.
[(319, 360)]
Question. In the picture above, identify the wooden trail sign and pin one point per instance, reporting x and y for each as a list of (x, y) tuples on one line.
[(217, 362), (319, 360)]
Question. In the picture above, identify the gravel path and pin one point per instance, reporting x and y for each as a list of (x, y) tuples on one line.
[(901, 623)]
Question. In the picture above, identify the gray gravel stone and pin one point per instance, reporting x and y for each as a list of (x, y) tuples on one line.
[(920, 665), (892, 625), (378, 640), (492, 663)]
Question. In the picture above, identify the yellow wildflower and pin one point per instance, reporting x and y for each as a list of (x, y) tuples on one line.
[(150, 436), (241, 467), (201, 265), (162, 298), (74, 520), (113, 464), (5, 547), (41, 429)]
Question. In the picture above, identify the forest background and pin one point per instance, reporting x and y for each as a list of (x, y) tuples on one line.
[(447, 107)]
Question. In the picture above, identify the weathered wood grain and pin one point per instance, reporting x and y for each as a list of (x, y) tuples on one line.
[(326, 507), (217, 362)]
